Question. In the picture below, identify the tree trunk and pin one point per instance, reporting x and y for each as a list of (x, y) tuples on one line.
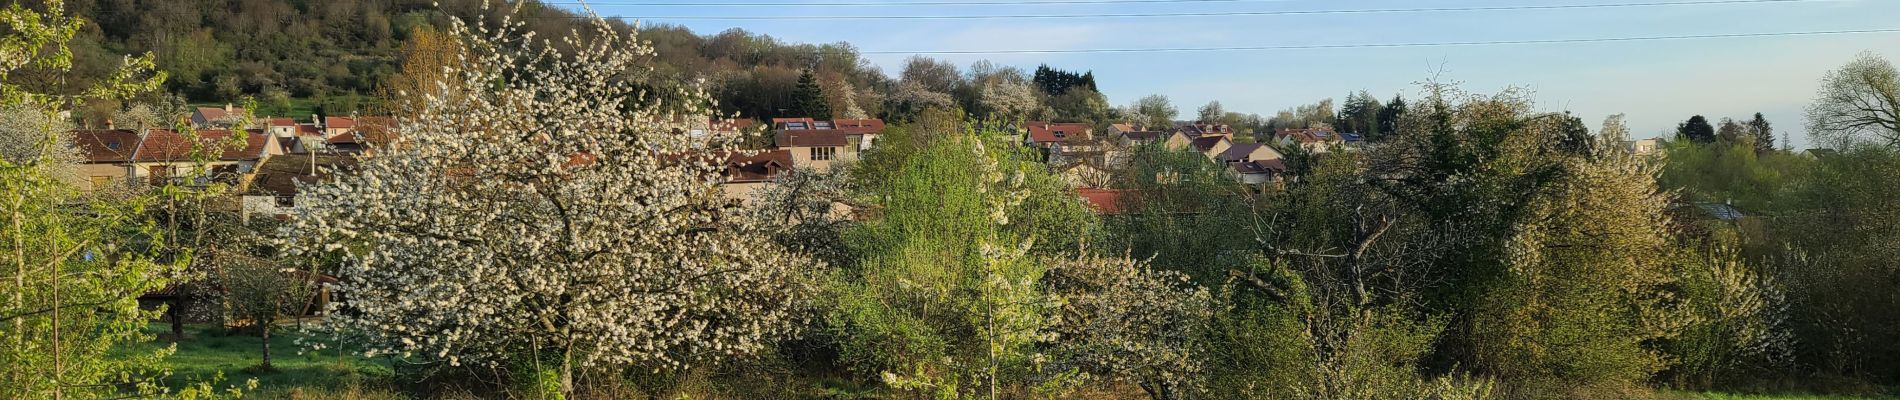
[(567, 373), (176, 314), (265, 326)]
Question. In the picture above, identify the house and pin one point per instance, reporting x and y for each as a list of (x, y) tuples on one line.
[(1059, 137), (1642, 147), (1258, 172), (1207, 146), (1116, 129), (1313, 140), (1247, 152), (278, 179), (818, 143), (107, 157), (1138, 138), (1197, 130), (164, 154), (746, 174), (216, 117)]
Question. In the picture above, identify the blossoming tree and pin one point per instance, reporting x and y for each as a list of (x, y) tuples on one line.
[(546, 216)]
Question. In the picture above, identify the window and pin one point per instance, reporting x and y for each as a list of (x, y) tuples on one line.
[(1060, 135), (823, 153)]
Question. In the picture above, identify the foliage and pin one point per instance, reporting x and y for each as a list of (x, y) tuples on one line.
[(590, 240), (1360, 114), (1696, 129), (1731, 172), (1738, 317), (809, 99), (1389, 117), (944, 299), (1057, 82), (1834, 250), (1858, 103), (1154, 112), (1120, 321)]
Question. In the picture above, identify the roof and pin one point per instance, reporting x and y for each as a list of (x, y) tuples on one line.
[(1721, 211), (162, 145), (1239, 151), (1196, 130), (868, 125), (208, 114), (1104, 201), (1352, 137), (1207, 143), (763, 166), (338, 123), (1143, 135), (280, 175), (1045, 132), (811, 138), (106, 145), (1260, 167), (281, 121), (1123, 127), (1309, 135), (308, 130)]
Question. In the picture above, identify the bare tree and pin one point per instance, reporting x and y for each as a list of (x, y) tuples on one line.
[(1859, 103)]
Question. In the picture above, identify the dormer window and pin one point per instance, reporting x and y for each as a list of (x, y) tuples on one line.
[(1060, 135), (823, 124), (113, 145)]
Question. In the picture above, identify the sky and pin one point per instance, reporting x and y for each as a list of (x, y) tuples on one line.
[(1657, 84)]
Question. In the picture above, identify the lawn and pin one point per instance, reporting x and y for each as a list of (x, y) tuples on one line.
[(207, 350)]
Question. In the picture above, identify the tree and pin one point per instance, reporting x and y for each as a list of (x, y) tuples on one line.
[(1859, 103), (1211, 113), (1360, 114), (1764, 134), (75, 264), (1389, 118), (1731, 131), (1120, 321), (945, 299), (426, 55), (589, 240), (1696, 129), (932, 74), (262, 292), (1154, 112), (1013, 101), (1056, 82), (1081, 105), (808, 101)]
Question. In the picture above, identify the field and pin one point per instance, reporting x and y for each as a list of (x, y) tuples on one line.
[(208, 351)]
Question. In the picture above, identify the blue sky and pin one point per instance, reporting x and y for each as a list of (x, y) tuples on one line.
[(1657, 83)]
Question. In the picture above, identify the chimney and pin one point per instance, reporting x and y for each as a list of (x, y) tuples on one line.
[(108, 124), (227, 107), (317, 121)]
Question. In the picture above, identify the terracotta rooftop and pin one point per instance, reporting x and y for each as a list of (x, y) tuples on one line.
[(1104, 201), (106, 145), (811, 138), (162, 145), (1045, 132)]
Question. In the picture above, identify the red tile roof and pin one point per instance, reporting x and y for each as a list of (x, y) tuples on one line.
[(1310, 135), (1044, 132), (338, 123), (216, 113), (106, 145), (281, 121), (162, 145), (1105, 201), (869, 125)]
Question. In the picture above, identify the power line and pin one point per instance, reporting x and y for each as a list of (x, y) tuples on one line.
[(1211, 13), (921, 3), (1391, 45)]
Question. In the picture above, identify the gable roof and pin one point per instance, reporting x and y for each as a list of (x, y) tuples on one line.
[(1309, 135), (1142, 135), (810, 138), (1239, 151), (165, 145), (1197, 129), (1205, 144), (1273, 166), (763, 166), (106, 145), (1045, 132), (338, 123), (866, 125), (208, 114)]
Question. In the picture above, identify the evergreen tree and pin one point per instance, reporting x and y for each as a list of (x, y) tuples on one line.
[(1696, 129), (809, 99), (1764, 133), (1389, 117)]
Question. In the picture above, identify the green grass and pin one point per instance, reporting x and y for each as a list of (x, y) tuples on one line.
[(207, 351), (1728, 396)]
